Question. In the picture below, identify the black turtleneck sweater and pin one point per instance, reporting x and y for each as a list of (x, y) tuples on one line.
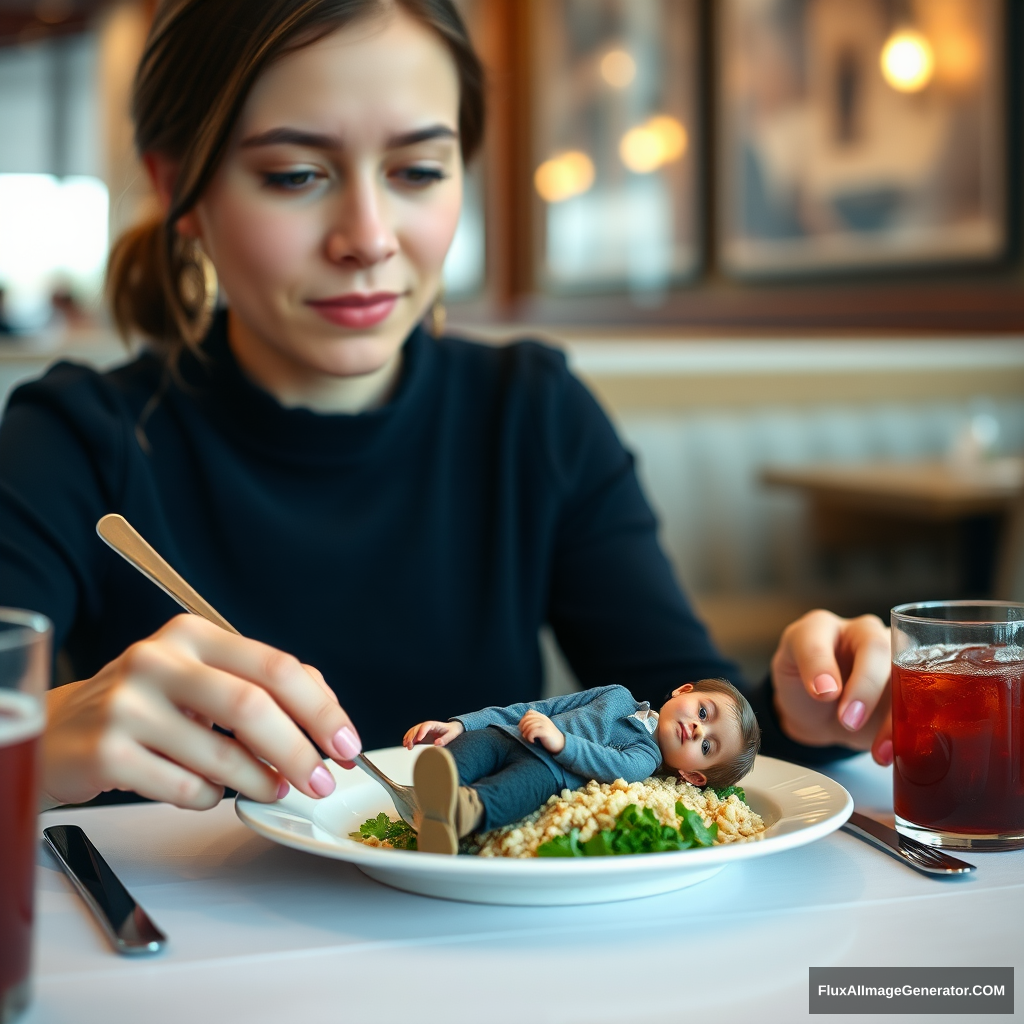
[(411, 553)]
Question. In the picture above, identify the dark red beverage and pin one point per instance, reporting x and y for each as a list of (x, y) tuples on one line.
[(21, 723), (958, 720)]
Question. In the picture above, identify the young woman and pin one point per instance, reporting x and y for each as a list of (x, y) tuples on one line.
[(400, 513)]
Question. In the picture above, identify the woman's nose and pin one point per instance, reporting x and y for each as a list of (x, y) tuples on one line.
[(361, 235)]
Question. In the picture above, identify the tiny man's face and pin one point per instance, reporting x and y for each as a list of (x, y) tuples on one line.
[(697, 731)]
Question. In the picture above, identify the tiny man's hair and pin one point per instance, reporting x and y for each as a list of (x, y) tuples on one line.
[(730, 772)]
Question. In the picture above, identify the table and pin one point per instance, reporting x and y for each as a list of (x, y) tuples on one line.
[(891, 502), (262, 933), (921, 490)]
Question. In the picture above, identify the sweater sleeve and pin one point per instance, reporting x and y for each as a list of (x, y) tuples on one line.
[(61, 457), (510, 715), (592, 760)]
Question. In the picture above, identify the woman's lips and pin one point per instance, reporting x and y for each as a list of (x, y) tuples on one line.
[(359, 309)]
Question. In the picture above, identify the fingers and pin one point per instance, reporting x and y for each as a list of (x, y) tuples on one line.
[(300, 694), (318, 678), (531, 728), (809, 645), (867, 639), (219, 759), (881, 748), (155, 777), (248, 710), (419, 734)]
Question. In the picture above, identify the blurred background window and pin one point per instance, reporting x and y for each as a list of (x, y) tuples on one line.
[(465, 269), (642, 158), (54, 206), (614, 139), (861, 133)]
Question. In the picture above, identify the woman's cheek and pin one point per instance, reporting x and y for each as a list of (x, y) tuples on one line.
[(256, 246), (428, 232), (271, 247)]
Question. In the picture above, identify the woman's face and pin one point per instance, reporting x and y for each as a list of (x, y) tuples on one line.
[(329, 219)]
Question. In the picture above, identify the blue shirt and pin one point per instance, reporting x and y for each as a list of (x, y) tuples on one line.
[(602, 740)]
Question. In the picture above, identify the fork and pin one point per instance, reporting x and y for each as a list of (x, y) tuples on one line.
[(119, 534), (917, 855)]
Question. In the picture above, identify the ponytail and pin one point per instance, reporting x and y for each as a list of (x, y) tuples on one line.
[(160, 285)]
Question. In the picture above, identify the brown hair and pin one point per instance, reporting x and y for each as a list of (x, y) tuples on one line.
[(201, 60), (728, 773)]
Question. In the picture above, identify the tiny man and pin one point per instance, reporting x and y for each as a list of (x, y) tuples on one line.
[(488, 768)]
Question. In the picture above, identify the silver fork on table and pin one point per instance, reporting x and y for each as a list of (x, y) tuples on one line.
[(117, 532), (921, 857)]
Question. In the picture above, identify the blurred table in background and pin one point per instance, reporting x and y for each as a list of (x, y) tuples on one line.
[(886, 503)]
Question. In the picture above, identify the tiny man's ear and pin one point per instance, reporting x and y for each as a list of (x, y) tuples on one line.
[(685, 688), (698, 779)]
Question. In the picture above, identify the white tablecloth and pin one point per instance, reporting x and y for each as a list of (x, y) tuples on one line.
[(262, 933)]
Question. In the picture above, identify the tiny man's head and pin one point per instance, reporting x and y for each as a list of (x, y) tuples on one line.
[(708, 733)]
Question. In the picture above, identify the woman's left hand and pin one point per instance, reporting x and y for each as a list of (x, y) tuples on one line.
[(831, 681)]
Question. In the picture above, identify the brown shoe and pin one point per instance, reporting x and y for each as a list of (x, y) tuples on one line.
[(436, 780)]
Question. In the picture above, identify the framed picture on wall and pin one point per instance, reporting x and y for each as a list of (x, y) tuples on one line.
[(615, 144), (860, 134)]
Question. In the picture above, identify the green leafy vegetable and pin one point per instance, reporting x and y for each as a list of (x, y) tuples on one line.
[(562, 846), (724, 794), (636, 831), (692, 821), (397, 833)]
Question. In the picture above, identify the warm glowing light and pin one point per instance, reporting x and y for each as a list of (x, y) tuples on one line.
[(908, 61), (618, 68), (651, 145), (958, 58), (564, 176)]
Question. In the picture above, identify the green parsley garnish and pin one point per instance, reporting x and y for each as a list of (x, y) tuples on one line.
[(636, 831), (400, 835), (724, 794)]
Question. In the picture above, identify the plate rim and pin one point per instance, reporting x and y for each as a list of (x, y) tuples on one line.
[(499, 869)]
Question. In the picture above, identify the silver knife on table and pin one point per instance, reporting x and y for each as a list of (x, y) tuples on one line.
[(127, 925), (927, 859)]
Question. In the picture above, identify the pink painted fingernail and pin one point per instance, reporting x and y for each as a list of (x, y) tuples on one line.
[(853, 716), (282, 790), (824, 684), (885, 753), (346, 743), (321, 781)]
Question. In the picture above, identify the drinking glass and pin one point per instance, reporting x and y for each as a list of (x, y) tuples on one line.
[(958, 719), (24, 675)]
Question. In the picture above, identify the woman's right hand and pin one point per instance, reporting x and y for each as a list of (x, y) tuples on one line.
[(142, 722)]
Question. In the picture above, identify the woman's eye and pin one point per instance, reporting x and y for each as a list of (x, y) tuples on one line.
[(289, 180), (703, 714), (705, 748), (420, 176)]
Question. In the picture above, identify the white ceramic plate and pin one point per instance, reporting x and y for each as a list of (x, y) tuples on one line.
[(798, 806)]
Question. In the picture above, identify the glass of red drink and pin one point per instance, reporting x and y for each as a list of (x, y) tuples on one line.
[(24, 676), (958, 723)]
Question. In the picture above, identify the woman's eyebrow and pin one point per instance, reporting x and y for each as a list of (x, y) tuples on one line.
[(291, 137), (435, 131), (316, 140)]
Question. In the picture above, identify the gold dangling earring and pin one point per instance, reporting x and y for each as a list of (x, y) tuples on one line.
[(198, 288), (438, 314)]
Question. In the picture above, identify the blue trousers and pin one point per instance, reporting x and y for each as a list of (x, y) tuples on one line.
[(509, 780)]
